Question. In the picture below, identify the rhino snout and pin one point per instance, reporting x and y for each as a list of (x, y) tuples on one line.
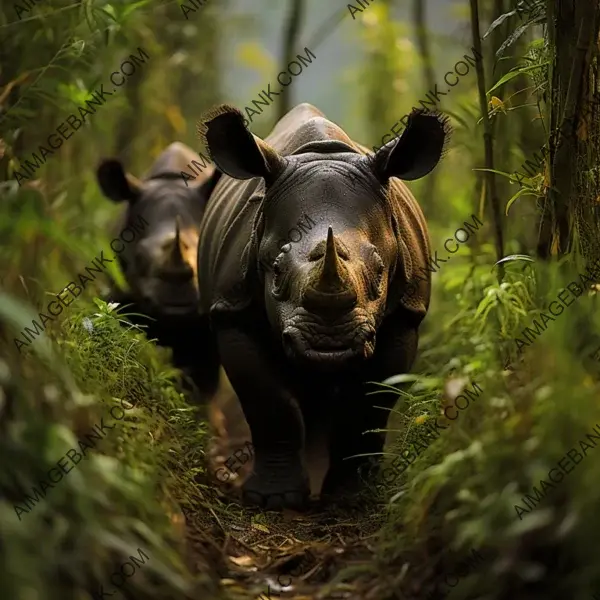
[(168, 279), (329, 347), (319, 302)]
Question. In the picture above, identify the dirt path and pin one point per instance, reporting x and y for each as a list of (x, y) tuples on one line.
[(265, 555)]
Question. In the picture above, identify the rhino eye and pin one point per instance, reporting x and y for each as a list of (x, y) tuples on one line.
[(280, 279), (277, 273), (379, 266), (375, 279)]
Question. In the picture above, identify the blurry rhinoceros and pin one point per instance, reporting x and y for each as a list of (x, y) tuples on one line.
[(158, 254)]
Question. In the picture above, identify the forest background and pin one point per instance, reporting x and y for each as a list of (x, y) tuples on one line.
[(523, 159)]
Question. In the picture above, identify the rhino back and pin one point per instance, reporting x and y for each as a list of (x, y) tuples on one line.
[(176, 158), (305, 124)]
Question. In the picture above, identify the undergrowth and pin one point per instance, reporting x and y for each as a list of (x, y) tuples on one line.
[(460, 495), (125, 494), (455, 503)]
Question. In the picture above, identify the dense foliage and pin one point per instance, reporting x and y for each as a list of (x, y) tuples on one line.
[(526, 170)]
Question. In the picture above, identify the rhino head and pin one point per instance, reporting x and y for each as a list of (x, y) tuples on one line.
[(160, 263), (326, 293)]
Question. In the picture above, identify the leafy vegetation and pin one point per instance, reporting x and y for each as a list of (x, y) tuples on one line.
[(147, 484)]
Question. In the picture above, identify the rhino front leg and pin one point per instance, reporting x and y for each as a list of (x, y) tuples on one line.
[(355, 416), (279, 478), (397, 347)]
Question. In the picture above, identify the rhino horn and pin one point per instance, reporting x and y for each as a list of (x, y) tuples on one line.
[(330, 277), (176, 257), (330, 288)]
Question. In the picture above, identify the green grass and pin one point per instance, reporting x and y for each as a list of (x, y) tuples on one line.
[(128, 491), (460, 494)]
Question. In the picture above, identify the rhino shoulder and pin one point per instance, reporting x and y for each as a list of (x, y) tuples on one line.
[(411, 287)]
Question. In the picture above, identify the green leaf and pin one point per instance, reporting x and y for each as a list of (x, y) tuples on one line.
[(403, 378), (499, 22), (17, 315), (510, 176), (515, 257), (523, 191), (516, 34), (109, 11), (516, 73), (486, 304)]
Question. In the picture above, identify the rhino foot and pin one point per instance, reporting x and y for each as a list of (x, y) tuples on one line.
[(276, 495)]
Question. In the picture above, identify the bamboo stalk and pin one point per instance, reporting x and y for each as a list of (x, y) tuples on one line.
[(490, 177), (420, 21), (290, 41)]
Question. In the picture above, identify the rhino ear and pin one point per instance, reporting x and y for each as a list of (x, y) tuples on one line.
[(417, 151), (116, 184), (234, 149)]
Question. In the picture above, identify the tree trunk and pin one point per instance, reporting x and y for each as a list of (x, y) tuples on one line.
[(290, 42), (586, 206), (502, 126), (420, 22), (572, 29), (490, 177)]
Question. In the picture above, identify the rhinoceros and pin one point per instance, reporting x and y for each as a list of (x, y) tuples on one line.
[(301, 341), (160, 263)]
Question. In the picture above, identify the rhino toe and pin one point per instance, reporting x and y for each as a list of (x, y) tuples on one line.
[(275, 497)]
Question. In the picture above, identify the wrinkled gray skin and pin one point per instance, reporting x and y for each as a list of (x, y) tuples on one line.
[(300, 342), (160, 265)]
